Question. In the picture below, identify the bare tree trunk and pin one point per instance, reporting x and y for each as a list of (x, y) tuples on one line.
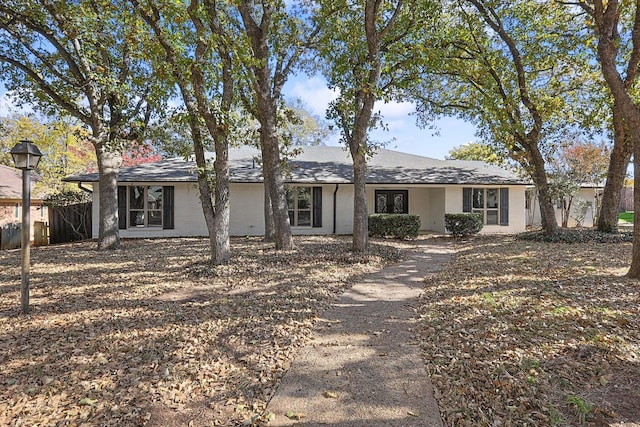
[(269, 225), (360, 213), (108, 167), (221, 248), (275, 187), (539, 176), (616, 174), (634, 270)]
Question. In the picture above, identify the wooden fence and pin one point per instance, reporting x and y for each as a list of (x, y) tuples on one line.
[(10, 236), (70, 223)]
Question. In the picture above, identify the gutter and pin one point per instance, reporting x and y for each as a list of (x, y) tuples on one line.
[(335, 208)]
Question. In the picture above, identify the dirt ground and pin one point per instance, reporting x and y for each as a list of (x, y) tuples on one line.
[(512, 332)]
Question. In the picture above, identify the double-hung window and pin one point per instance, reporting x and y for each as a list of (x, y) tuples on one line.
[(491, 203), (305, 206), (300, 207), (145, 206)]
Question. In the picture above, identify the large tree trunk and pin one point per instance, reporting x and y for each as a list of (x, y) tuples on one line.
[(221, 248), (269, 223), (634, 270), (539, 176), (275, 186), (360, 211), (108, 167), (616, 174)]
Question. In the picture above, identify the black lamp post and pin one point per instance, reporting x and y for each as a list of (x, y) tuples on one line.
[(26, 157)]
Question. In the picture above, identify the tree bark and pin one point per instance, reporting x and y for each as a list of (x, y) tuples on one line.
[(108, 167), (269, 224), (616, 174), (275, 186), (634, 269), (547, 211), (360, 211)]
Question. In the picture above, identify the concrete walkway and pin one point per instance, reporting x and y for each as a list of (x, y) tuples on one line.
[(364, 367)]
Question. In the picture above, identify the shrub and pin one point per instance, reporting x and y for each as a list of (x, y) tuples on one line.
[(399, 226), (463, 224)]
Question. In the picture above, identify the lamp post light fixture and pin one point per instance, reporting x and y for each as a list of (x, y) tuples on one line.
[(25, 157)]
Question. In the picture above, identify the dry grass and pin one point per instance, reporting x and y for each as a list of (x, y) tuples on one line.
[(520, 333), (514, 333), (154, 335)]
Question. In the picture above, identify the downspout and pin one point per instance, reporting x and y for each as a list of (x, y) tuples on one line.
[(85, 189), (335, 208)]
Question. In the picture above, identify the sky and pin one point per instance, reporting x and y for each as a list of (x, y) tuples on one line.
[(403, 134)]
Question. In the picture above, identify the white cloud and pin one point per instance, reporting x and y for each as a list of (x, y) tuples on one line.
[(396, 115), (313, 92)]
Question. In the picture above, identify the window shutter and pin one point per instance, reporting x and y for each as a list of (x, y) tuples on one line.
[(167, 207), (122, 207), (504, 206), (466, 199), (317, 206)]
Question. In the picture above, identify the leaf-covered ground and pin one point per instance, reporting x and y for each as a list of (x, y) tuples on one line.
[(153, 335), (523, 333)]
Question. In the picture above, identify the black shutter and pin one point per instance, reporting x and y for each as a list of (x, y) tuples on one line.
[(317, 206), (167, 207), (467, 196), (122, 207), (504, 206)]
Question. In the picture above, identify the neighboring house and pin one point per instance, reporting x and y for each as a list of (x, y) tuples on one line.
[(11, 199), (583, 207), (161, 199)]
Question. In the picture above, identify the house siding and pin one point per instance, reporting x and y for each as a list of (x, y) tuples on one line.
[(189, 219), (517, 214), (430, 202), (588, 194)]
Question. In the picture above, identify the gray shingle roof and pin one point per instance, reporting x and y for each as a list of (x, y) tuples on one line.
[(325, 164)]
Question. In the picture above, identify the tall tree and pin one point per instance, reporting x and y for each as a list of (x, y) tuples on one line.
[(197, 57), (83, 58), (617, 28), (369, 54), (510, 68), (279, 35)]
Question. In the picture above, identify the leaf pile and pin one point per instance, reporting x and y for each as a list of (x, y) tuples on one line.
[(154, 335), (527, 333)]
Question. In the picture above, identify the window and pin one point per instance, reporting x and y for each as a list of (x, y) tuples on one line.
[(299, 204), (392, 201), (305, 206), (491, 203), (141, 206), (145, 206)]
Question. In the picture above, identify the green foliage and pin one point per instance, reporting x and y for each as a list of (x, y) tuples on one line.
[(67, 198), (478, 151), (581, 406), (63, 142), (463, 224), (83, 58), (399, 226)]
